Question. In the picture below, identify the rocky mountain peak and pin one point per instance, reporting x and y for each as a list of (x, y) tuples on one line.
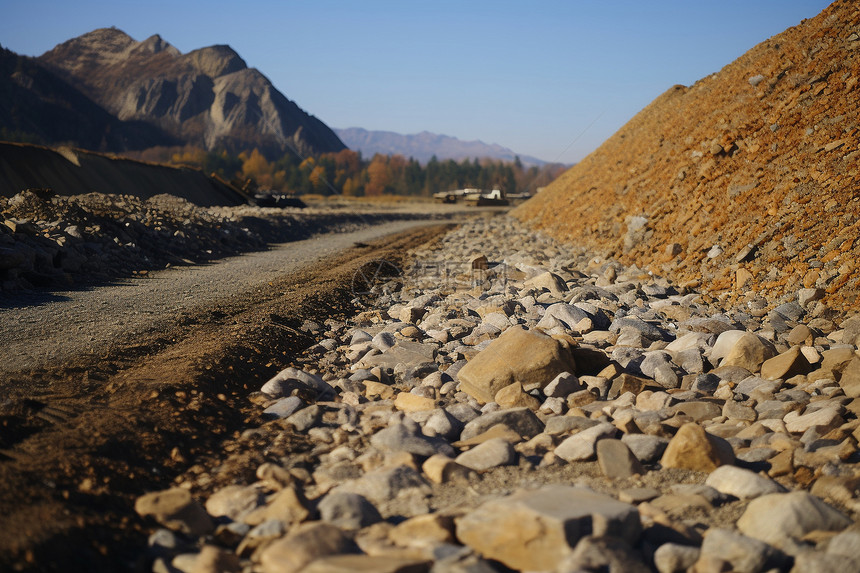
[(109, 39), (216, 61), (199, 98), (155, 44), (100, 47)]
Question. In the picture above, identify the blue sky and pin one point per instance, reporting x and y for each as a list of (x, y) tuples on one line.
[(551, 79)]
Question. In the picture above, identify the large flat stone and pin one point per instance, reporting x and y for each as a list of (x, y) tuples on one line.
[(783, 366), (521, 420), (309, 541), (616, 460), (492, 453), (403, 352), (536, 530), (741, 483), (850, 380), (779, 517), (407, 438), (826, 418), (370, 563), (745, 554), (175, 509), (290, 379), (583, 445), (385, 484)]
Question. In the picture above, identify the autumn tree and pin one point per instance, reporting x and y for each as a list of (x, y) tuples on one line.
[(378, 176)]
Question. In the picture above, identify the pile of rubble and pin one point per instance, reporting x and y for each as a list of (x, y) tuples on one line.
[(518, 405), (743, 183), (54, 241)]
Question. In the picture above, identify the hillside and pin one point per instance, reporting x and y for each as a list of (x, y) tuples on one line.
[(76, 172), (745, 182), (423, 146), (207, 98), (37, 106)]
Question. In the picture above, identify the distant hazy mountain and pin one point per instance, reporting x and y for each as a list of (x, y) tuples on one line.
[(422, 146), (207, 98)]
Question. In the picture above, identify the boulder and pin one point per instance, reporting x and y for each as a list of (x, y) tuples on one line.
[(175, 509), (537, 530), (529, 357), (778, 518), (692, 448), (749, 352)]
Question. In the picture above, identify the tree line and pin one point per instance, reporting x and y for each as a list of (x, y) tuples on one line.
[(347, 172)]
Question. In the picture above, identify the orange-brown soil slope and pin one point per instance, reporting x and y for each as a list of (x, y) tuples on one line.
[(760, 159)]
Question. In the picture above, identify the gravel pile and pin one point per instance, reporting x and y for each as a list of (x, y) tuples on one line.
[(509, 403), (744, 183), (53, 241)]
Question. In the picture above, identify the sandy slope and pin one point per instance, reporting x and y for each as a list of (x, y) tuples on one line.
[(759, 159)]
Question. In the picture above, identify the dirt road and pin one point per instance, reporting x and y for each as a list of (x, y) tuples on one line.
[(112, 392), (47, 330)]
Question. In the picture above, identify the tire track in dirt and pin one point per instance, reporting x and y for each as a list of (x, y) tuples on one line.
[(83, 437)]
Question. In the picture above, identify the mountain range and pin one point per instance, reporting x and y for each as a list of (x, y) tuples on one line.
[(37, 106), (423, 146), (207, 98), (106, 91)]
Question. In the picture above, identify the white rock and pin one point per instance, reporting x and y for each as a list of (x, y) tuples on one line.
[(581, 446), (826, 417), (778, 518), (741, 483), (490, 454), (725, 342)]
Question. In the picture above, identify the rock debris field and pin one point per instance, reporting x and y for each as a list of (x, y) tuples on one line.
[(55, 241), (511, 403)]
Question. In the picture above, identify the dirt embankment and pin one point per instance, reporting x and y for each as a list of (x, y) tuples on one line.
[(74, 171), (744, 182)]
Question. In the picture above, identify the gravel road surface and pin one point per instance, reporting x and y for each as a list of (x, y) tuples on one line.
[(39, 330)]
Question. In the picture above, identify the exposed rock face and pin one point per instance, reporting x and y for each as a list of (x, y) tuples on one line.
[(752, 168), (38, 106), (216, 61), (208, 97)]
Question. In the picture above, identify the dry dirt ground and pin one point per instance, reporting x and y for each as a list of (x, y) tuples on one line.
[(83, 436)]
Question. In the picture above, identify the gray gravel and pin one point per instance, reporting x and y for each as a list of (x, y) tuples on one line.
[(47, 328)]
